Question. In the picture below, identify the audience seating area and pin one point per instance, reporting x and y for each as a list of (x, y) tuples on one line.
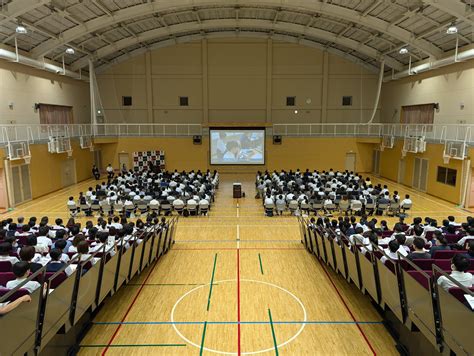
[(62, 300), (408, 288), (325, 193)]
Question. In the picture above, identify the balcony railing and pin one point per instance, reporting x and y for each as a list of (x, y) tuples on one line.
[(439, 133)]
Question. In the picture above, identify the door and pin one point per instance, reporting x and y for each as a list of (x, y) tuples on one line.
[(68, 172), (123, 160), (20, 184), (420, 174), (350, 161), (3, 190), (376, 162), (98, 159), (471, 193), (401, 171)]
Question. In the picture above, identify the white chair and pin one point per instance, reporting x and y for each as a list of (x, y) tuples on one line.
[(155, 208), (73, 210), (269, 209), (393, 208), (166, 208), (118, 207), (280, 207), (356, 207), (142, 206), (95, 208), (344, 206), (192, 209), (178, 208), (406, 207), (293, 206), (316, 207), (305, 207), (203, 209), (107, 209), (86, 209)]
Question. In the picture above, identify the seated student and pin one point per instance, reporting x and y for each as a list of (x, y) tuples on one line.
[(459, 266), (21, 271), (9, 306), (404, 249), (75, 242), (391, 251), (419, 252), (61, 235), (406, 202), (5, 249), (103, 240), (24, 231), (470, 236), (470, 251), (13, 241), (27, 254), (55, 264), (33, 241), (453, 222), (439, 243), (72, 206), (43, 237), (83, 251), (357, 238), (61, 245)]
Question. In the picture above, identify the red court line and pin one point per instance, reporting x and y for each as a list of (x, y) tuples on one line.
[(347, 307), (128, 310), (238, 301)]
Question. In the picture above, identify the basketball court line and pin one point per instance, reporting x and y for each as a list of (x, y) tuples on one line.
[(273, 332), (347, 307), (261, 265), (212, 283), (263, 322), (203, 337)]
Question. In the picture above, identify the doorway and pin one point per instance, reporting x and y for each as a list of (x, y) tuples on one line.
[(401, 171), (124, 160), (420, 174), (376, 162), (68, 172), (3, 190), (350, 164), (20, 184)]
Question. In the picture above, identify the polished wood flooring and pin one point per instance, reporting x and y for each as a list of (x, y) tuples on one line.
[(237, 282)]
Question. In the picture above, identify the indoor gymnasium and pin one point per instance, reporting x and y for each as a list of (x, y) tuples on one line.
[(272, 177)]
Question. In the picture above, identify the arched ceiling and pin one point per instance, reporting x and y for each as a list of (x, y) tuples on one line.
[(364, 31)]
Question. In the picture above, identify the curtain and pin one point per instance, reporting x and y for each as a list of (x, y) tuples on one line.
[(55, 114), (418, 114)]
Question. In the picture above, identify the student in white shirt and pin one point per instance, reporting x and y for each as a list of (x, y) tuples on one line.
[(459, 265), (21, 270), (406, 202), (83, 251), (43, 238), (5, 249), (55, 264), (391, 251), (470, 236)]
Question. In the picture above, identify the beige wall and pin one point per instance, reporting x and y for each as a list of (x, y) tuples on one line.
[(449, 86), (24, 86), (237, 81)]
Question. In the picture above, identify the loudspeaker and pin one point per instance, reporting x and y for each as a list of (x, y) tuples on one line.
[(277, 140), (197, 140)]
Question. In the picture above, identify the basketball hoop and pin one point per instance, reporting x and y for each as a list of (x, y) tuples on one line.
[(69, 153), (27, 159)]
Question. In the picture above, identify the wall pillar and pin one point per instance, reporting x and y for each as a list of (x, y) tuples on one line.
[(205, 83), (268, 118), (324, 91), (149, 88)]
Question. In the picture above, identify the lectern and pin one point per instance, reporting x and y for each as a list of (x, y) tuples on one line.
[(237, 190)]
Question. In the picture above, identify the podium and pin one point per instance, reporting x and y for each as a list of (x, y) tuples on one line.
[(237, 191)]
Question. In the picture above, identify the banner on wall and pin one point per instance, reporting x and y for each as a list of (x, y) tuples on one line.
[(143, 159)]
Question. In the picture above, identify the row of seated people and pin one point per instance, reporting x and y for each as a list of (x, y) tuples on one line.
[(54, 246), (66, 271), (438, 259), (141, 192), (327, 192)]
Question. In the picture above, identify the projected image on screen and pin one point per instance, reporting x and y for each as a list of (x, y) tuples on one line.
[(237, 146)]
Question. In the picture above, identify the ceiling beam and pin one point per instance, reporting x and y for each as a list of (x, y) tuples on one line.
[(300, 32), (309, 6), (17, 8), (455, 8)]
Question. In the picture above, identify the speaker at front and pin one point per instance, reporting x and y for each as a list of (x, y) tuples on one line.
[(277, 140), (197, 140)]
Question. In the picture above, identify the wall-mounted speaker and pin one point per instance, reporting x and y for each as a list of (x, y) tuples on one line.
[(277, 140), (197, 140)]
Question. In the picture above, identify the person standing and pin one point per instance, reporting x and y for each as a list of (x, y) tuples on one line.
[(95, 172)]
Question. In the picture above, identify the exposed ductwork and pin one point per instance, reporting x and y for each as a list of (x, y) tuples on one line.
[(459, 57), (18, 58)]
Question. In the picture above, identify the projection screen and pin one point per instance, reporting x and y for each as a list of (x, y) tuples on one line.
[(237, 146)]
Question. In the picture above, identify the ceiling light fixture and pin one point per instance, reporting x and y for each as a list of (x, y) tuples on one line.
[(452, 30), (70, 50), (21, 30), (403, 50)]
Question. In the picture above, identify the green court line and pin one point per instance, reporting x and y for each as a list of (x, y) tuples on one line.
[(261, 266), (202, 340), (212, 283), (138, 345), (273, 332)]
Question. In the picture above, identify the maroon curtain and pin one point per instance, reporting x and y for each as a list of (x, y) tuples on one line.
[(55, 114), (418, 114)]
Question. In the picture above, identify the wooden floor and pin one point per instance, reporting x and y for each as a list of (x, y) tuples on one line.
[(237, 281)]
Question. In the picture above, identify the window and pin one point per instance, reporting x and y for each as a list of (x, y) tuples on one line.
[(126, 101), (347, 101), (290, 100), (446, 176), (183, 101)]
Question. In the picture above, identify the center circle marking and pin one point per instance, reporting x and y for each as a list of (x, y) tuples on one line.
[(303, 324)]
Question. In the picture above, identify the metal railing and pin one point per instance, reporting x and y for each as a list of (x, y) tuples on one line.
[(439, 133)]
